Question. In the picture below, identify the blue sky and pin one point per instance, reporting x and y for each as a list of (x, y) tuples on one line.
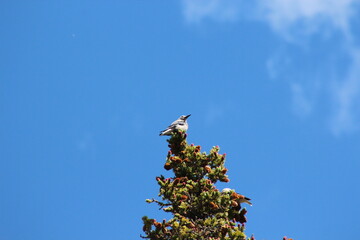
[(86, 86)]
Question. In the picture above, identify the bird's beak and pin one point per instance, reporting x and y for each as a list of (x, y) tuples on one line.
[(187, 116)]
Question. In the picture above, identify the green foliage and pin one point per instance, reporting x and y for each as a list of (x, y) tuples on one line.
[(199, 210)]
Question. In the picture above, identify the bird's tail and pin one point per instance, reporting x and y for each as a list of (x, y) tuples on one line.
[(162, 133), (247, 201), (165, 132), (243, 199)]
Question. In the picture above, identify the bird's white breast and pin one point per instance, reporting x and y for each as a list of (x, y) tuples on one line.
[(182, 126)]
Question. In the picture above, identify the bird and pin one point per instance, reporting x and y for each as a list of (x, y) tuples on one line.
[(227, 190), (179, 124), (237, 197), (243, 199)]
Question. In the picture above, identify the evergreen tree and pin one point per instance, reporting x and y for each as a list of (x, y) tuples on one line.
[(199, 210)]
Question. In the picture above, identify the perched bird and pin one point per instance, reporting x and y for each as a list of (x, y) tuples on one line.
[(242, 199), (179, 124), (227, 190), (237, 197)]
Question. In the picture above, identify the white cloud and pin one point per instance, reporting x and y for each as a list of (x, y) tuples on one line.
[(291, 18), (347, 99), (294, 21), (307, 15), (280, 14)]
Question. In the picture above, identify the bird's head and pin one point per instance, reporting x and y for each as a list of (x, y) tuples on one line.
[(184, 117)]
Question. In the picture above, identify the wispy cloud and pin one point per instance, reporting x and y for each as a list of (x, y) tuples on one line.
[(301, 103), (294, 18), (289, 17), (277, 64), (346, 93), (221, 10), (294, 21)]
